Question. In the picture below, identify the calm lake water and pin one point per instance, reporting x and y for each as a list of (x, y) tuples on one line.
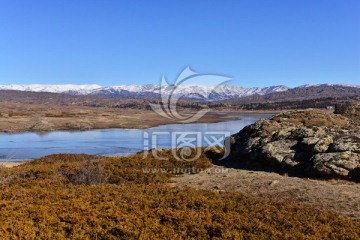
[(26, 146)]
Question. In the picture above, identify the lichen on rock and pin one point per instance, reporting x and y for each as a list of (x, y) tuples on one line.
[(311, 142)]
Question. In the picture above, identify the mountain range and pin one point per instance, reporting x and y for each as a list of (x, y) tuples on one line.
[(188, 92), (301, 93)]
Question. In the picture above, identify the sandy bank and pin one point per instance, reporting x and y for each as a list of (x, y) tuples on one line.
[(11, 164), (37, 118)]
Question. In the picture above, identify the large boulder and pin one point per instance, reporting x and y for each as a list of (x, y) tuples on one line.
[(336, 164), (310, 142)]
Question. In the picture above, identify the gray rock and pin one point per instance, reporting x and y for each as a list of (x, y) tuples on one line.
[(279, 150), (305, 141), (341, 164), (310, 142), (322, 145), (346, 143), (302, 132)]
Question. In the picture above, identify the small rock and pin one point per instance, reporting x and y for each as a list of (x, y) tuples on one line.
[(272, 183), (347, 143), (322, 145)]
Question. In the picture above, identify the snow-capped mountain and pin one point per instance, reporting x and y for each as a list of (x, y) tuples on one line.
[(64, 88), (194, 92), (334, 85)]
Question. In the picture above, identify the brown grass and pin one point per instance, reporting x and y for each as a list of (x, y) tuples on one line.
[(87, 197), (17, 117)]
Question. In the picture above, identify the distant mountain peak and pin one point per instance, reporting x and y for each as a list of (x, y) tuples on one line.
[(53, 88), (325, 84), (192, 92)]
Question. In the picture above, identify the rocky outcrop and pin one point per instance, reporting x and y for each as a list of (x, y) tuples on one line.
[(310, 142), (351, 111)]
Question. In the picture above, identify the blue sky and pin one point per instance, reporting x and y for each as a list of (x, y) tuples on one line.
[(114, 42)]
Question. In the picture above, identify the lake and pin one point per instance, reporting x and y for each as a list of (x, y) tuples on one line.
[(112, 142)]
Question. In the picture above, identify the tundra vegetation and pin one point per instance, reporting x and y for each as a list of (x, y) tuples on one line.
[(90, 197)]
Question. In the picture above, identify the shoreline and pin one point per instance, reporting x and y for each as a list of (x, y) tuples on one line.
[(218, 118), (97, 119), (10, 164), (210, 118)]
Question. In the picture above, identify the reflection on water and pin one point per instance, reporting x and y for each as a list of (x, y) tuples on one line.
[(106, 141)]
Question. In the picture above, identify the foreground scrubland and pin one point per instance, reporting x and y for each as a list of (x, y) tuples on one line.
[(88, 197)]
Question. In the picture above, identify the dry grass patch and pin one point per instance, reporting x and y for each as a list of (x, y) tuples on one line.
[(89, 197)]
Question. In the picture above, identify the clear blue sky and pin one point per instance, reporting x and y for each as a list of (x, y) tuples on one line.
[(114, 42)]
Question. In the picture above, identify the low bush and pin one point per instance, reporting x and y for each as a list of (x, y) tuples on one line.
[(91, 197)]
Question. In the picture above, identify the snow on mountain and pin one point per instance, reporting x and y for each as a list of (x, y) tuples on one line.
[(194, 92), (318, 85), (136, 88), (65, 88)]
